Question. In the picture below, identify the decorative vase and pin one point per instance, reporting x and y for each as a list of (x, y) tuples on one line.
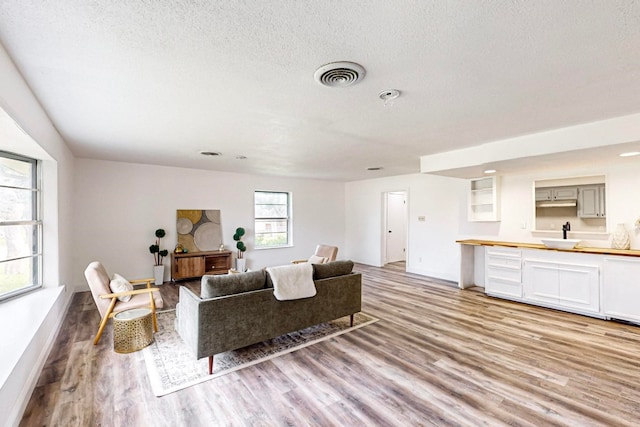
[(620, 238), (158, 273), (241, 264)]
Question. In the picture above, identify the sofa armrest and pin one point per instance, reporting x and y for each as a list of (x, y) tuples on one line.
[(188, 318)]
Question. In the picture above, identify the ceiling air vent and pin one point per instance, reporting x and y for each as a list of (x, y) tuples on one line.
[(339, 74)]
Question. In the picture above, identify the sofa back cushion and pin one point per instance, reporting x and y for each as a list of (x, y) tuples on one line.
[(228, 284), (332, 269)]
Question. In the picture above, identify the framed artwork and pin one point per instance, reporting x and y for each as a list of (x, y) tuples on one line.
[(199, 230)]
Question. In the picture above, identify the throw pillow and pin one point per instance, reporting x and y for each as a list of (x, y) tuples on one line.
[(227, 284), (120, 284), (314, 259), (332, 269)]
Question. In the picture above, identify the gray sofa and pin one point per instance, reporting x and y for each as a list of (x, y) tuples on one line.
[(237, 310)]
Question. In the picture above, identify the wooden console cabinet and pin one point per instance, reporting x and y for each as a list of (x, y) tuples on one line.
[(197, 264)]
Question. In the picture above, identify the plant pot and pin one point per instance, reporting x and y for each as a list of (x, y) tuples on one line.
[(158, 273), (241, 264)]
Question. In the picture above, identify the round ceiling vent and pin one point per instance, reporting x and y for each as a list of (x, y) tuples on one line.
[(339, 74)]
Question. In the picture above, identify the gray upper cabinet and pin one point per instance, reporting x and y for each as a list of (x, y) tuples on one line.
[(556, 193), (592, 201), (565, 193), (543, 194)]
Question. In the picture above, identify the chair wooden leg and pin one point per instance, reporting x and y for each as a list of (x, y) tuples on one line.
[(104, 321), (210, 365), (155, 322), (153, 309)]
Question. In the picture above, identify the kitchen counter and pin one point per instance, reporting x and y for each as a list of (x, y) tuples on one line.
[(579, 249)]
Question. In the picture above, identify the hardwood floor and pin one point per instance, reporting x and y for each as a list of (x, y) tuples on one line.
[(439, 356)]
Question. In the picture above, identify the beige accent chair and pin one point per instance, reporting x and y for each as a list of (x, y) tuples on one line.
[(108, 303), (322, 251)]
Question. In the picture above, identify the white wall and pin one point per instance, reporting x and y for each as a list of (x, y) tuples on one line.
[(431, 248), (31, 340), (120, 206)]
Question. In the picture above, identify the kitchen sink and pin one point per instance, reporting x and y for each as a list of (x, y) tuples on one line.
[(561, 243)]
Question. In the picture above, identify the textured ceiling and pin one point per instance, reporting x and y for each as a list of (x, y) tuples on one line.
[(158, 81)]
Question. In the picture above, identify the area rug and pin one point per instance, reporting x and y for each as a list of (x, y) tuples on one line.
[(172, 367)]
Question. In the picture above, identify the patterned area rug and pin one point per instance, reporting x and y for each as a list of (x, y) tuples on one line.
[(172, 367)]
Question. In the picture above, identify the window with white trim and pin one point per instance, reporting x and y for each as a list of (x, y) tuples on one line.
[(272, 219), (20, 225)]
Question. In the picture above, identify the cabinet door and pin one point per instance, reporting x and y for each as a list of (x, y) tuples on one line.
[(621, 291), (578, 287), (217, 264), (188, 267), (540, 281), (543, 194), (602, 205), (589, 202), (565, 193)]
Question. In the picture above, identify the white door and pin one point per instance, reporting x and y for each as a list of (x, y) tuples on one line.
[(396, 226)]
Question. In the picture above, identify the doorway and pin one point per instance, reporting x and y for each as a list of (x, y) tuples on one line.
[(395, 227)]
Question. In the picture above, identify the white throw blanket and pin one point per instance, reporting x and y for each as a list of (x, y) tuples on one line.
[(292, 281)]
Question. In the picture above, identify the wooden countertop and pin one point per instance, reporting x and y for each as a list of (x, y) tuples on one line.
[(579, 249)]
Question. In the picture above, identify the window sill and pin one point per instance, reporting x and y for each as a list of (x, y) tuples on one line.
[(26, 315), (273, 247)]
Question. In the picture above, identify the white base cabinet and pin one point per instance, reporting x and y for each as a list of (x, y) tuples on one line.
[(621, 291), (565, 286), (602, 285), (560, 280)]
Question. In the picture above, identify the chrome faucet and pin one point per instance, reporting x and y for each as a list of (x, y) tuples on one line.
[(565, 227)]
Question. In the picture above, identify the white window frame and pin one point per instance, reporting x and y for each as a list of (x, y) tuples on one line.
[(36, 219), (287, 218)]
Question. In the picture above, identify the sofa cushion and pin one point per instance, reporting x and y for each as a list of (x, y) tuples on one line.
[(228, 284), (332, 269)]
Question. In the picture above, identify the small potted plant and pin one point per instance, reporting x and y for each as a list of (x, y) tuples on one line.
[(158, 255), (241, 247)]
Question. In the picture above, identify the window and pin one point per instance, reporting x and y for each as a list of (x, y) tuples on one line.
[(20, 225), (272, 219)]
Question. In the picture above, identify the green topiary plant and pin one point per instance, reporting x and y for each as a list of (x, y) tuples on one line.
[(155, 250), (240, 245)]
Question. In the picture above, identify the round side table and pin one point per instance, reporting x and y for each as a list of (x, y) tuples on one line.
[(132, 330)]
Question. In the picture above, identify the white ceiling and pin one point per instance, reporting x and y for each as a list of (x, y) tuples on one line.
[(159, 81)]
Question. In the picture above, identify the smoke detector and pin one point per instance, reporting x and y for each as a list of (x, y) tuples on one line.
[(339, 74)]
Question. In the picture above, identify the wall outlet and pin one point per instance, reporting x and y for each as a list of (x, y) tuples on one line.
[(421, 218), (523, 225), (420, 259)]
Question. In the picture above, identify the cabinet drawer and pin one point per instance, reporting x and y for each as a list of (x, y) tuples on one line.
[(507, 288), (503, 255), (502, 261), (507, 273)]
